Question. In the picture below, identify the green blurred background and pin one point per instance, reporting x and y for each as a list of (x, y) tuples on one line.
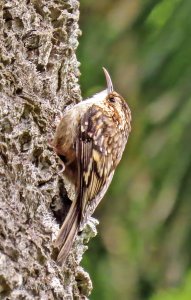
[(143, 249)]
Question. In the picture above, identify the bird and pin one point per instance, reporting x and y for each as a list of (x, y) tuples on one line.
[(90, 139)]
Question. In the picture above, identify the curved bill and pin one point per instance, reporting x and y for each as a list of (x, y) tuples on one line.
[(109, 82)]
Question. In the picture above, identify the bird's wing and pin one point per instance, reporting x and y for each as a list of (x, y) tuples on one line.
[(95, 158)]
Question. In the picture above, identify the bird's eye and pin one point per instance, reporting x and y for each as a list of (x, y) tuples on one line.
[(111, 99)]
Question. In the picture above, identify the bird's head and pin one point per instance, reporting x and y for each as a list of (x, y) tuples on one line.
[(115, 101)]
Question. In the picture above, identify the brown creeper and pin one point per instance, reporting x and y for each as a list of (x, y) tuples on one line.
[(90, 138)]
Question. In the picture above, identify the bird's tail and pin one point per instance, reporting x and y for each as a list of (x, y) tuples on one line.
[(68, 232)]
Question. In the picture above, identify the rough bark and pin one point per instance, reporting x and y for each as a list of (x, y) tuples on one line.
[(38, 78)]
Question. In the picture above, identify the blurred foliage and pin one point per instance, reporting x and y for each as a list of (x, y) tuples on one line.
[(181, 293), (143, 247)]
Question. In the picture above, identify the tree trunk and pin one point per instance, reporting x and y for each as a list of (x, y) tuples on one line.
[(38, 78)]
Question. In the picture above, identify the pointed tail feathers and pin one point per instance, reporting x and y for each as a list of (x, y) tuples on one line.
[(68, 232)]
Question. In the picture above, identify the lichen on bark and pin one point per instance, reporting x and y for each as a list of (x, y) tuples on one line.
[(38, 79)]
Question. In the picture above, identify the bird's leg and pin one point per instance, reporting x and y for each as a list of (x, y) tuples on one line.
[(61, 158), (62, 163)]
